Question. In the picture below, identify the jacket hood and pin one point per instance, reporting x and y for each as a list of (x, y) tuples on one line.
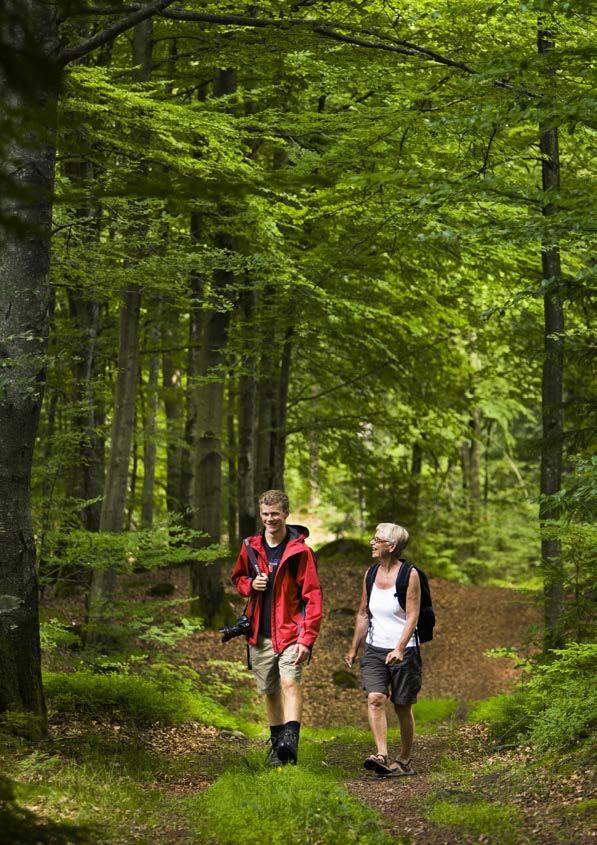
[(297, 531)]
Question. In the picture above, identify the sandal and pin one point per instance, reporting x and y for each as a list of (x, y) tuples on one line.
[(399, 769), (377, 763)]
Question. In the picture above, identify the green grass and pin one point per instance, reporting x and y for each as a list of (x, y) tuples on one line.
[(428, 712), (135, 698), (286, 806), (497, 821)]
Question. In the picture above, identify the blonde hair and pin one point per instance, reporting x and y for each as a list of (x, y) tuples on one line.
[(395, 534)]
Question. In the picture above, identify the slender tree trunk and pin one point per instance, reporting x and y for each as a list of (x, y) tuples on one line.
[(553, 369), (103, 582), (414, 485), (263, 437), (195, 340), (88, 473), (280, 411), (150, 427), (133, 476), (174, 411), (206, 581), (246, 418), (231, 459), (29, 101)]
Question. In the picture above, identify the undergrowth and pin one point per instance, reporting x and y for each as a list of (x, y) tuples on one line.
[(166, 697), (555, 709)]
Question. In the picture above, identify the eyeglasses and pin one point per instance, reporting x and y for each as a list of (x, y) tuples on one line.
[(378, 540)]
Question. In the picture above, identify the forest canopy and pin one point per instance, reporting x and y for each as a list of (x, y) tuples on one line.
[(339, 248)]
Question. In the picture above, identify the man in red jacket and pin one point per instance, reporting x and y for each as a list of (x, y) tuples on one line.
[(285, 609)]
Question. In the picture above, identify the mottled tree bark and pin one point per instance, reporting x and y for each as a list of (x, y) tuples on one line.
[(206, 581), (28, 29)]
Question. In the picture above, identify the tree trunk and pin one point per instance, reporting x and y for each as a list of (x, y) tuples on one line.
[(206, 581), (263, 438), (150, 427), (553, 372), (103, 582), (246, 419), (133, 475), (88, 473), (231, 459), (195, 340), (174, 411), (280, 409), (28, 30), (414, 486)]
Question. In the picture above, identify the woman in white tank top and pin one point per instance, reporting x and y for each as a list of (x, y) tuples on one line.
[(391, 664)]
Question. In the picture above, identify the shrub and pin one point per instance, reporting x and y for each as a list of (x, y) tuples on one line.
[(167, 697), (557, 707)]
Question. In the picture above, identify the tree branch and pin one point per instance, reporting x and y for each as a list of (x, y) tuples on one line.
[(69, 54)]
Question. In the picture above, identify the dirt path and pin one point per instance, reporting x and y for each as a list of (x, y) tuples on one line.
[(470, 620)]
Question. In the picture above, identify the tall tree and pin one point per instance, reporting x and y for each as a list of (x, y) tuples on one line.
[(553, 362)]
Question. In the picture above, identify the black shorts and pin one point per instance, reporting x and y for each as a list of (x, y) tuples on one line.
[(401, 681)]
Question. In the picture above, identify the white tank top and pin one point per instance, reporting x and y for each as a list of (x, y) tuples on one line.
[(387, 619)]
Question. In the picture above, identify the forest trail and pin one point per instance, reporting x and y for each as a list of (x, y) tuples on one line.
[(454, 761), (470, 621)]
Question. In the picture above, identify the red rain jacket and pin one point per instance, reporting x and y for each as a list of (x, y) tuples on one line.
[(296, 598)]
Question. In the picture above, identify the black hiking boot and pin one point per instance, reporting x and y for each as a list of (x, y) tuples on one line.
[(287, 749)]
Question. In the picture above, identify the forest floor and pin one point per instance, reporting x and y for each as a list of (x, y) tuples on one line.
[(457, 765)]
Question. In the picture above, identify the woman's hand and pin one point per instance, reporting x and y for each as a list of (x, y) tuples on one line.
[(395, 656), (260, 582), (349, 658)]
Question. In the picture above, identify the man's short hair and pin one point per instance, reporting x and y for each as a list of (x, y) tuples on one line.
[(275, 497), (393, 533)]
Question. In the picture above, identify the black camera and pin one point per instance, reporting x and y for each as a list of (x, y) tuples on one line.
[(240, 627)]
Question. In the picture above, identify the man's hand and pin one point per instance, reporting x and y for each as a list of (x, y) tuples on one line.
[(260, 582), (349, 658), (395, 656), (301, 653)]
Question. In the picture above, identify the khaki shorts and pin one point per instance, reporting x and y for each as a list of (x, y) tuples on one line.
[(269, 667)]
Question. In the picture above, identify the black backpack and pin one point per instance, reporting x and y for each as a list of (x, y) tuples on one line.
[(426, 621)]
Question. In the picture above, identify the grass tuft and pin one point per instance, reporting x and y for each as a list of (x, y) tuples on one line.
[(283, 806), (499, 822)]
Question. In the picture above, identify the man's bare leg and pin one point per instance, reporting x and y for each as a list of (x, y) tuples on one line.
[(292, 698)]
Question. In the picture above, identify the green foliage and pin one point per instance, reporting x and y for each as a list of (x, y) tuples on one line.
[(55, 634), (494, 820), (165, 544), (576, 529), (288, 806), (164, 696), (555, 709)]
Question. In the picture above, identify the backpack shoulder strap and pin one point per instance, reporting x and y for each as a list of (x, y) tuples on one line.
[(370, 579), (402, 582), (252, 557)]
